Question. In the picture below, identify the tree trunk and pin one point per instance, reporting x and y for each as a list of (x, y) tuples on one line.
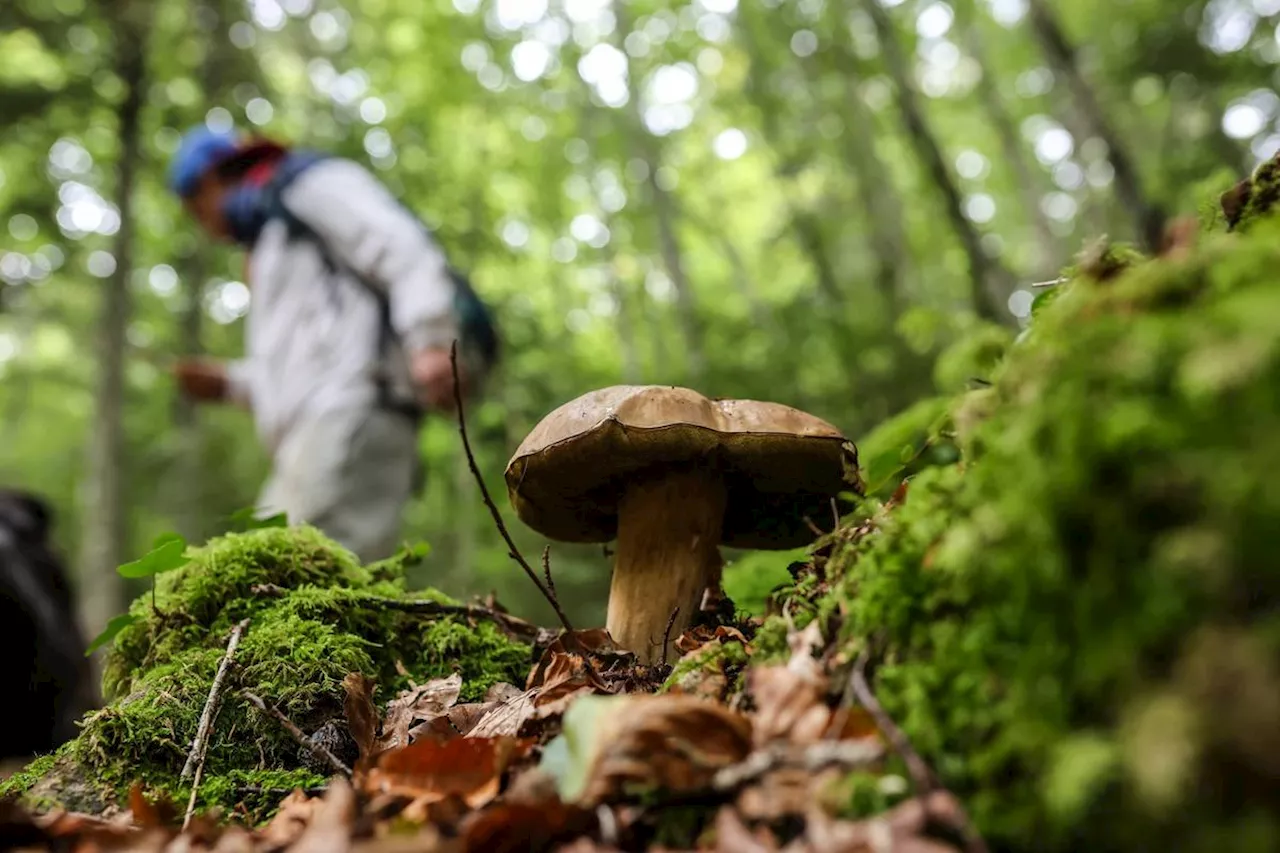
[(1145, 213), (880, 202), (104, 532), (987, 276), (666, 213), (1030, 181)]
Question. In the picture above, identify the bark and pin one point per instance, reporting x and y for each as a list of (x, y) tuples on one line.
[(103, 536), (1144, 212), (989, 281)]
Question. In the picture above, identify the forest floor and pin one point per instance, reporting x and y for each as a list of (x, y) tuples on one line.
[(594, 752)]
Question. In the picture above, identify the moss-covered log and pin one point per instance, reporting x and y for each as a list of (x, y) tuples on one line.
[(1078, 622)]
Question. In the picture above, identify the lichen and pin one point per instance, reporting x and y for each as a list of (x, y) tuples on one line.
[(314, 616), (1078, 623)]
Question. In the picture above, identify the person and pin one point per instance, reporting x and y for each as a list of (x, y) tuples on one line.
[(353, 313)]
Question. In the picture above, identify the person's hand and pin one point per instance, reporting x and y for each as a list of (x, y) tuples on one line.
[(433, 376), (201, 379)]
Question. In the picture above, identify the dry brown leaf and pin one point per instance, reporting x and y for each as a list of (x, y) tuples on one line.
[(291, 819), (733, 836), (421, 704), (784, 792), (361, 713), (430, 770), (507, 718), (501, 692), (675, 743), (521, 827), (234, 840), (789, 705), (900, 829), (330, 829)]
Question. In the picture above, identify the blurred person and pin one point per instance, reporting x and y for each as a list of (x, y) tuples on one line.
[(353, 311), (46, 668)]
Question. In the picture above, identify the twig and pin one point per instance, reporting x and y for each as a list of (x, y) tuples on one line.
[(817, 531), (923, 778), (1051, 282), (546, 569), (835, 514), (666, 635), (512, 551), (846, 753), (514, 624), (200, 744), (318, 750)]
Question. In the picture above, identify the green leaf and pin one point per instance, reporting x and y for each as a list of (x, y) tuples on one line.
[(571, 755), (169, 554), (114, 626), (247, 519)]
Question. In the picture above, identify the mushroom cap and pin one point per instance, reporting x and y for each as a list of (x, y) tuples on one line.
[(780, 465)]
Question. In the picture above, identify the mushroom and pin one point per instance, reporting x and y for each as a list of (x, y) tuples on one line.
[(673, 475)]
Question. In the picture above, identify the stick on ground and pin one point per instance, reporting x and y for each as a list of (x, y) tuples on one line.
[(200, 745), (317, 750), (923, 778), (512, 551)]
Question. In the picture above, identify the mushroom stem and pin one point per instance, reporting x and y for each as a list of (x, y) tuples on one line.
[(668, 553)]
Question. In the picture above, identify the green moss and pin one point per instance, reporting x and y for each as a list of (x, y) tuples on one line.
[(315, 616), (711, 659), (1079, 625), (974, 356), (1253, 198), (482, 654)]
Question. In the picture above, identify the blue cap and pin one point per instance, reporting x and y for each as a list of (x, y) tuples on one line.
[(201, 149)]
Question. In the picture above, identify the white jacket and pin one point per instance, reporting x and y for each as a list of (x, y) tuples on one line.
[(312, 334)]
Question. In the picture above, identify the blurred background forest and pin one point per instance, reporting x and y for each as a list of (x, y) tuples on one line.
[(819, 202)]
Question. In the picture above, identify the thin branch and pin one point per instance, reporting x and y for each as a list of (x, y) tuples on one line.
[(514, 625), (845, 753), (512, 551), (200, 744), (318, 750), (666, 635), (546, 569), (923, 778)]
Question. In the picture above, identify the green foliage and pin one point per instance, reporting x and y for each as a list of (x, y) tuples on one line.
[(750, 577), (315, 616), (168, 554)]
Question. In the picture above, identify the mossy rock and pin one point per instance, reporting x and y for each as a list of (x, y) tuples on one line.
[(315, 616), (1079, 623)]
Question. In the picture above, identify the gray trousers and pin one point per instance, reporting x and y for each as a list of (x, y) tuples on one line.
[(350, 474)]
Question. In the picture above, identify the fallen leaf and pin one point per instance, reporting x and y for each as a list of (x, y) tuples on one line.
[(733, 836), (524, 827), (291, 819), (501, 691), (506, 719), (900, 829), (424, 703), (431, 770), (617, 744), (790, 705), (362, 714), (330, 829), (784, 792), (145, 814), (234, 840)]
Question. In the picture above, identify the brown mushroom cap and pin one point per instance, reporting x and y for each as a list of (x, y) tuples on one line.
[(779, 464)]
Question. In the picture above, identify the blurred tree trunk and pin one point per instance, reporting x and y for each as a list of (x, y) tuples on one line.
[(803, 223), (879, 199), (989, 282), (1145, 213), (1030, 181), (104, 532), (666, 213)]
